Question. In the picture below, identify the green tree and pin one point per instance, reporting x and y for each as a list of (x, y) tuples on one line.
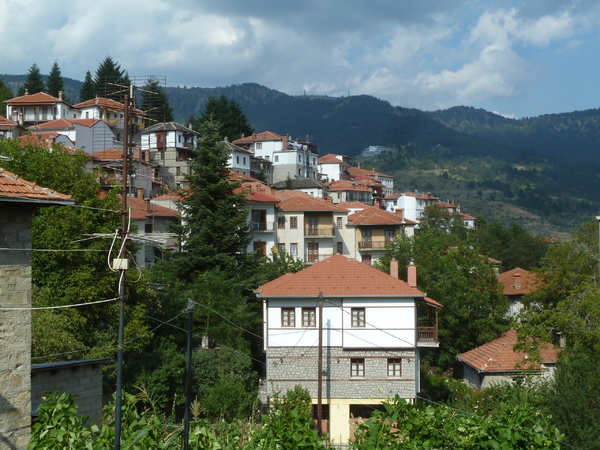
[(289, 183), (5, 94), (34, 82), (55, 83), (110, 80), (88, 88), (155, 103), (452, 271), (232, 120)]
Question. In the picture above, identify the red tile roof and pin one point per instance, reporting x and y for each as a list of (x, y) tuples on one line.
[(7, 124), (44, 139), (104, 103), (369, 173), (300, 201), (510, 280), (109, 154), (377, 216), (346, 185), (254, 195), (331, 158), (143, 209), (499, 356), (338, 276), (13, 187), (65, 123), (33, 99), (259, 137), (353, 205)]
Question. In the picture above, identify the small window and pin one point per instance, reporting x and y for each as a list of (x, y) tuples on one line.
[(288, 317), (237, 159), (394, 369), (366, 259), (244, 160), (276, 158), (338, 222), (294, 222), (358, 317), (148, 228), (340, 248), (309, 317), (294, 249), (281, 223), (357, 368), (259, 146), (281, 247)]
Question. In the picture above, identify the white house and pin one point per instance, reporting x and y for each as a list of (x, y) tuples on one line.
[(413, 203), (89, 135), (32, 109), (367, 322), (333, 167)]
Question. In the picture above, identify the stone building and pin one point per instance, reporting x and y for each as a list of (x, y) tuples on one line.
[(18, 201), (373, 326)]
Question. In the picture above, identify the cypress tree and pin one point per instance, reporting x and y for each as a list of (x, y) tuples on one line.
[(110, 79), (5, 94), (155, 103), (55, 82), (34, 82)]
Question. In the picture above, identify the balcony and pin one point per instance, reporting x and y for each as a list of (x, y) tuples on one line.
[(374, 244), (427, 323), (265, 227), (312, 258), (320, 231), (427, 334)]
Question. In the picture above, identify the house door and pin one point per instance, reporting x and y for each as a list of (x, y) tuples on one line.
[(312, 254), (313, 226), (366, 239), (259, 219)]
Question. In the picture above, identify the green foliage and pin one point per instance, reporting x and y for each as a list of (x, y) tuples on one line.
[(88, 88), (224, 383), (289, 183), (110, 79), (155, 103), (278, 264), (34, 82), (228, 114), (452, 271), (5, 94), (55, 83), (432, 427)]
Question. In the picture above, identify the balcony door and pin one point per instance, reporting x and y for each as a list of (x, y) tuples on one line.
[(312, 252), (259, 219), (313, 226)]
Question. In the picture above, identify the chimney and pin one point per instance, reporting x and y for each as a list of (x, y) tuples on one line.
[(394, 268), (411, 277), (140, 193), (60, 95), (517, 281)]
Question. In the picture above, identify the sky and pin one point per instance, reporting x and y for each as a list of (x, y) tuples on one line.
[(516, 58)]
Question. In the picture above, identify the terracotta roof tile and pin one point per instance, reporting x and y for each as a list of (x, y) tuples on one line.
[(7, 124), (304, 202), (104, 103), (13, 187), (347, 185), (259, 137), (65, 123), (499, 356), (377, 216), (40, 97), (338, 276), (364, 172), (142, 209), (512, 279)]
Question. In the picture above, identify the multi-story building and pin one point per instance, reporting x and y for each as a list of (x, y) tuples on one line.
[(346, 191), (89, 135), (33, 109), (333, 167), (10, 129), (412, 203), (170, 147), (291, 158), (372, 327), (387, 181)]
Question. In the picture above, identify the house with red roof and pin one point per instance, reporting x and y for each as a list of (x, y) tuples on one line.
[(347, 191), (517, 283), (291, 158), (262, 219), (89, 135), (387, 181), (412, 203), (333, 167), (375, 230), (497, 362), (18, 201), (10, 129), (33, 109), (372, 327)]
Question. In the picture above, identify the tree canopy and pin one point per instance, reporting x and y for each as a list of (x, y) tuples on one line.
[(232, 122), (88, 88), (155, 103), (34, 82), (110, 79), (5, 94), (55, 83)]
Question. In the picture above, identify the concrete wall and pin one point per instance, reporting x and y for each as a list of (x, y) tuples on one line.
[(15, 326)]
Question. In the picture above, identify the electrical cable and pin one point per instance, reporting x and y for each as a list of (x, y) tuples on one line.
[(37, 308)]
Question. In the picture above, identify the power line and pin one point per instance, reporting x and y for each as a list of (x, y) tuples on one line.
[(37, 308)]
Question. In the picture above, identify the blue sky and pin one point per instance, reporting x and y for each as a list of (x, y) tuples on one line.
[(516, 58)]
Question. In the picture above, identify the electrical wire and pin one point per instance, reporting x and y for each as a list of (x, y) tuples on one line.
[(37, 308)]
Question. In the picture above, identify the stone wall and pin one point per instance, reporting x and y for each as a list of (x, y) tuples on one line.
[(291, 366), (15, 326)]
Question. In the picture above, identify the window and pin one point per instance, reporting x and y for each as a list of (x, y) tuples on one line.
[(394, 369), (259, 146), (276, 158), (357, 368), (148, 228), (358, 317), (366, 259), (288, 317), (338, 222), (294, 249), (309, 317), (244, 160), (389, 236), (294, 222), (281, 247), (237, 159), (281, 223), (340, 248)]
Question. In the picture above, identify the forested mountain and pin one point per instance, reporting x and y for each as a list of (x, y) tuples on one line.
[(540, 172)]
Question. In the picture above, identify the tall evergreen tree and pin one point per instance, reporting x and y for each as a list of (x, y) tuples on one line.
[(5, 94), (34, 82), (110, 79), (155, 103), (88, 88), (55, 82), (232, 120)]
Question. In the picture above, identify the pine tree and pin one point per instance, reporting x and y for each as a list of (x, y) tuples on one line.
[(155, 103), (5, 94), (88, 88), (55, 82), (232, 120), (215, 235), (110, 79), (34, 82)]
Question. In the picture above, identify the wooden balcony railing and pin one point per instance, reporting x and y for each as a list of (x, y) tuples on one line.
[(373, 244), (427, 334), (320, 231)]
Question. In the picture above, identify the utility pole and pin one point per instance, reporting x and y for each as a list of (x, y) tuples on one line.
[(320, 370), (122, 265), (188, 375)]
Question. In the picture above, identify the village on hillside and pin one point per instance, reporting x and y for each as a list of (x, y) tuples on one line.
[(338, 219)]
